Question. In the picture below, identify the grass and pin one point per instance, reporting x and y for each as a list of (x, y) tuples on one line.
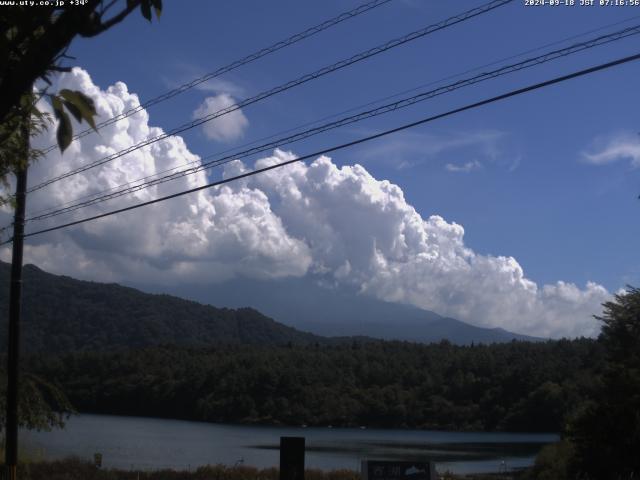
[(78, 469)]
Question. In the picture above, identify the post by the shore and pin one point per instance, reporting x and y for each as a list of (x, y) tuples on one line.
[(291, 458)]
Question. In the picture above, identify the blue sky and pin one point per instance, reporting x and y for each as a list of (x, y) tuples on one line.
[(532, 195), (545, 185)]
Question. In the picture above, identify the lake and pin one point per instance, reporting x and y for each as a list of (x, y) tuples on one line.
[(148, 443)]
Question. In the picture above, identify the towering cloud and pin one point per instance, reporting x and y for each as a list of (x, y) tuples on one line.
[(361, 231), (205, 236), (338, 225)]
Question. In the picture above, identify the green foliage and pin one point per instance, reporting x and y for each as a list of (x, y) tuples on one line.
[(552, 463), (146, 6), (43, 405), (76, 469), (606, 433), (14, 154), (381, 384), (104, 346), (65, 130), (79, 105), (621, 332), (33, 46), (63, 314)]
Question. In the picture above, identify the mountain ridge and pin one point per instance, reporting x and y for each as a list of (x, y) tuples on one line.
[(305, 304), (61, 313)]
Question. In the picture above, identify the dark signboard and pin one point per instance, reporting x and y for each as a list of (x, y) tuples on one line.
[(291, 458), (388, 470)]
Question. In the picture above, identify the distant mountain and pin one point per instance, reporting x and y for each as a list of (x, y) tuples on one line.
[(305, 305), (64, 314)]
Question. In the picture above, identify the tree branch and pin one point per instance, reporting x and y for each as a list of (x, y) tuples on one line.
[(100, 27), (38, 54), (57, 68), (107, 7)]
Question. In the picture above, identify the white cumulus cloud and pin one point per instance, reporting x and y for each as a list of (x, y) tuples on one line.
[(339, 225), (225, 128), (361, 231), (209, 235)]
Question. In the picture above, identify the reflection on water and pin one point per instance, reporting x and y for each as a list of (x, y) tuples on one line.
[(148, 443)]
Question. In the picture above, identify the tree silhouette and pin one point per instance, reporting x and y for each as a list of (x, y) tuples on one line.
[(33, 47), (607, 433)]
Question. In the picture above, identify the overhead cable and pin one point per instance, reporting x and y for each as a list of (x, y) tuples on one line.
[(359, 141), (286, 86), (383, 109), (365, 7), (334, 115)]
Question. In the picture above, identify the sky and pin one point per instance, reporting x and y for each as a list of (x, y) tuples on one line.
[(522, 214)]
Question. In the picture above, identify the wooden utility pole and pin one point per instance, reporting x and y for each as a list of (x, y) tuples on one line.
[(15, 300)]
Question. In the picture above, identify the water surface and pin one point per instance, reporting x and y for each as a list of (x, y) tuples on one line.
[(148, 443)]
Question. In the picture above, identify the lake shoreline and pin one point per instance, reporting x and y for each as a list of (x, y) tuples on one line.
[(276, 424), (139, 442)]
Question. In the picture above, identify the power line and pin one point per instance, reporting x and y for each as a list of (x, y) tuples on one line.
[(390, 107), (145, 179), (233, 65), (481, 103), (286, 86)]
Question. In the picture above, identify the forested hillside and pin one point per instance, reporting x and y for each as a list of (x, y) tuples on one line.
[(62, 314), (518, 386), (117, 350)]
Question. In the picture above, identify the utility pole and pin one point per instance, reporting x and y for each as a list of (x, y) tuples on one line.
[(15, 300)]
